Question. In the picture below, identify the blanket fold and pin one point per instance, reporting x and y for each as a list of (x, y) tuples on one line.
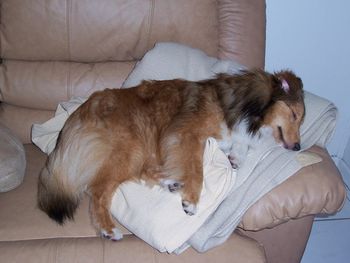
[(156, 215)]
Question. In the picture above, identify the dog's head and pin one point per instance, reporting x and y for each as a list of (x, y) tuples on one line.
[(260, 98), (286, 112)]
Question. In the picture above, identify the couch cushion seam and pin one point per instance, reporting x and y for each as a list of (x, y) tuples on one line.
[(150, 23)]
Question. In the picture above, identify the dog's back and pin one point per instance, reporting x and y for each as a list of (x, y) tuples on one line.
[(115, 136)]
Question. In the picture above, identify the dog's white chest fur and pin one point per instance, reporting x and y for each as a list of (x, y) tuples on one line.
[(238, 134), (225, 143), (236, 142)]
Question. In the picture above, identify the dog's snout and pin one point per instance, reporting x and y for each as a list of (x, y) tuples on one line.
[(296, 146)]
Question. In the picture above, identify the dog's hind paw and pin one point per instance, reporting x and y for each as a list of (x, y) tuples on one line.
[(189, 208), (172, 184), (234, 162), (114, 236)]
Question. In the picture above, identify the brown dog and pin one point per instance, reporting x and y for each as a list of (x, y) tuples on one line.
[(127, 134)]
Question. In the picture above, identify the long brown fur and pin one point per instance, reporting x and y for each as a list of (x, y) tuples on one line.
[(128, 134)]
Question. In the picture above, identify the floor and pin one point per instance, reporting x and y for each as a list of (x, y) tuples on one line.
[(330, 237)]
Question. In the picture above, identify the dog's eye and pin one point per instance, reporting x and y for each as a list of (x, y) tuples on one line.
[(294, 115)]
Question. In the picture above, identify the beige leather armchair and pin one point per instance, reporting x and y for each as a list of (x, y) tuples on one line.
[(53, 50)]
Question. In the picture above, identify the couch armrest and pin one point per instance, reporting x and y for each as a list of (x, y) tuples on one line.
[(317, 188)]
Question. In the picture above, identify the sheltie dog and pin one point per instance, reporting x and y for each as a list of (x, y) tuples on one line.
[(157, 131)]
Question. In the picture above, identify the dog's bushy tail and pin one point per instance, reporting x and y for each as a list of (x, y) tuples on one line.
[(71, 167), (55, 197)]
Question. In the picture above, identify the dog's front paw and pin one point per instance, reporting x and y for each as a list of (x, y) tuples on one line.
[(189, 208), (115, 234), (172, 184)]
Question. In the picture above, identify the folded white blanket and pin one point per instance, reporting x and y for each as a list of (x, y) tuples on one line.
[(155, 215)]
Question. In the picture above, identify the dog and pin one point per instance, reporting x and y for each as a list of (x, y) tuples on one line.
[(157, 131)]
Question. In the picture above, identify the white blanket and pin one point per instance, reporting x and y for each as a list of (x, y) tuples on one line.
[(155, 215)]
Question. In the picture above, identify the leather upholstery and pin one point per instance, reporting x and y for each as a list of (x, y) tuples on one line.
[(52, 50), (123, 30), (321, 191), (81, 250)]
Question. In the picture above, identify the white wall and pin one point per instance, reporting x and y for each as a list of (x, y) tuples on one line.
[(312, 37)]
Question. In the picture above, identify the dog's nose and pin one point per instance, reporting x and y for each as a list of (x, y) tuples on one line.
[(296, 147)]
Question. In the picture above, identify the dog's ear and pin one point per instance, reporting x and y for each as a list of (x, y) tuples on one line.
[(265, 90), (288, 78), (284, 85)]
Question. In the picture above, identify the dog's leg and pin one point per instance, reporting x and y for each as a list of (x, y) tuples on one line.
[(123, 165), (192, 178), (102, 190), (184, 167)]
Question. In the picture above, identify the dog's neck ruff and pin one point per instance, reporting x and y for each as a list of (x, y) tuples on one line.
[(237, 108)]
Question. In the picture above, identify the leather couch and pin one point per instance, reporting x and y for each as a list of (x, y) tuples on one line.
[(53, 50)]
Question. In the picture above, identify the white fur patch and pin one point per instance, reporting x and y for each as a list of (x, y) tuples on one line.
[(237, 142), (189, 208), (117, 234), (225, 143), (171, 184), (79, 157)]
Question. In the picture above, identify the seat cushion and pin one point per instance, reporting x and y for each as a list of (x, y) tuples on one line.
[(91, 250), (319, 184), (24, 227), (21, 219)]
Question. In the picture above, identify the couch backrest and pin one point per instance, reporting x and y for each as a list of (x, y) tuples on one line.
[(52, 50)]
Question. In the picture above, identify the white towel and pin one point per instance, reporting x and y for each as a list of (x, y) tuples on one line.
[(45, 135)]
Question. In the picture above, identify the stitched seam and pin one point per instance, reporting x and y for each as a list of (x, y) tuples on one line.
[(56, 253), (1, 38), (6, 81), (69, 85), (150, 23), (155, 258), (103, 250), (68, 13), (218, 33)]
